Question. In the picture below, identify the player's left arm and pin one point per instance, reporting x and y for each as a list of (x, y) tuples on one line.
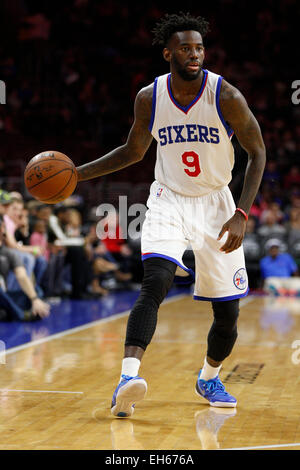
[(237, 114)]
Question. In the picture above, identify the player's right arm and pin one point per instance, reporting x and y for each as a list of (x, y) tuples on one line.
[(138, 142)]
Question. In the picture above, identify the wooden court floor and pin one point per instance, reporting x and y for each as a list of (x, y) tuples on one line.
[(57, 394)]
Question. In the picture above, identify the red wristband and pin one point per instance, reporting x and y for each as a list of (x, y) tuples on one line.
[(242, 212)]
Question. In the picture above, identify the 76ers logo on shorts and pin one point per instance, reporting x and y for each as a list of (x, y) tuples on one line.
[(240, 279), (159, 191)]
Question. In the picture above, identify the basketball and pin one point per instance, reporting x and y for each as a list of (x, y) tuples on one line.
[(50, 177)]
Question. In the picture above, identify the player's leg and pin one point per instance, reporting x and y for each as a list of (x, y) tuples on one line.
[(163, 243), (223, 332), (158, 277), (221, 279), (220, 341)]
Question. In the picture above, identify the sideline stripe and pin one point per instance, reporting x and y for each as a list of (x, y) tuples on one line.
[(82, 327), (4, 390), (272, 446)]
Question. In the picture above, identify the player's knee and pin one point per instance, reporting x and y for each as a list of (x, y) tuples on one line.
[(226, 315), (156, 286), (158, 278)]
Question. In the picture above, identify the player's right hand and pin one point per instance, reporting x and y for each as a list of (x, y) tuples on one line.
[(236, 227)]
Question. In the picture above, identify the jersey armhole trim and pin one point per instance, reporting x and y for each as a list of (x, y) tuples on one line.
[(229, 131), (153, 105)]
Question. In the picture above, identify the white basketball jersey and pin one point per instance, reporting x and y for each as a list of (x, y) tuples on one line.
[(194, 152)]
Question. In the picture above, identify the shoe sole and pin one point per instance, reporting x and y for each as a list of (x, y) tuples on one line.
[(129, 395), (217, 404)]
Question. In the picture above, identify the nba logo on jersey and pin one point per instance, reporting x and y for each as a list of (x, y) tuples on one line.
[(159, 191), (240, 279)]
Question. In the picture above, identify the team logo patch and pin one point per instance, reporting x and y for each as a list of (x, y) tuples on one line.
[(160, 190), (240, 279)]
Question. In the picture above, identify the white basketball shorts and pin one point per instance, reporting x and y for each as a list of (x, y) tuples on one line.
[(175, 223)]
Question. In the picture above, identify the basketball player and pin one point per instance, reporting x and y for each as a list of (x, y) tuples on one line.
[(192, 113)]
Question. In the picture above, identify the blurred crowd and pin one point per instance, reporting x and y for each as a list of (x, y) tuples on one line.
[(72, 72), (271, 232), (71, 69), (60, 256)]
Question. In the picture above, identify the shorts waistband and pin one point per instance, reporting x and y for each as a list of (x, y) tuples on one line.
[(209, 193)]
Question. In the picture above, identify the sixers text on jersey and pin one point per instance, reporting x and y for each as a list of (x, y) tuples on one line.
[(188, 133)]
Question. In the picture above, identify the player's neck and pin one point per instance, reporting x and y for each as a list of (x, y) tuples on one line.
[(185, 87)]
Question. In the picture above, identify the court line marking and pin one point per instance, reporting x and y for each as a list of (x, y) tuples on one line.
[(82, 327), (97, 322), (37, 391), (271, 446), (242, 303)]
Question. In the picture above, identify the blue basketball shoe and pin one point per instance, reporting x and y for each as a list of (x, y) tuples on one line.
[(214, 391), (128, 392)]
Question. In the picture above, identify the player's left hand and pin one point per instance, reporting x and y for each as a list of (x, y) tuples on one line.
[(235, 227)]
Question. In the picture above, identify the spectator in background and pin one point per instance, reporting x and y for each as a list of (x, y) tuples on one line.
[(16, 218), (16, 195), (271, 173), (2, 167), (71, 262), (26, 306), (10, 241), (293, 229), (39, 212), (13, 220), (95, 248), (5, 199), (292, 178), (22, 233), (294, 200), (264, 199), (105, 269), (293, 225), (35, 27), (279, 270), (274, 208), (270, 228), (38, 238), (73, 227), (58, 222), (113, 239)]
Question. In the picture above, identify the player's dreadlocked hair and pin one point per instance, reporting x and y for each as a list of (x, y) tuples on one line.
[(170, 24)]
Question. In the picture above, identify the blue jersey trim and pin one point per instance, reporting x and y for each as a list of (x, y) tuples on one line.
[(153, 105), (185, 109), (222, 299), (229, 131), (188, 270)]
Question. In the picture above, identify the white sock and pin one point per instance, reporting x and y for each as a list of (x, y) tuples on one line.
[(208, 372), (130, 366)]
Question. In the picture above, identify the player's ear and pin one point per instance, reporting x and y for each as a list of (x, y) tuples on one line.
[(166, 54)]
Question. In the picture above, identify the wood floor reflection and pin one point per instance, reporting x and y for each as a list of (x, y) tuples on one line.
[(56, 395)]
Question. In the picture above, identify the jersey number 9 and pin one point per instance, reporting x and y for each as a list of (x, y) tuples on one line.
[(191, 160)]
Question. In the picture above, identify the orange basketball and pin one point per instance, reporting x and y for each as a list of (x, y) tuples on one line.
[(50, 177)]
